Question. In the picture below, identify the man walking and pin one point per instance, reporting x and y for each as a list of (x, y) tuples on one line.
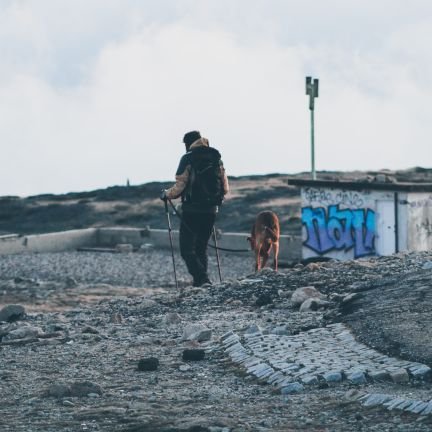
[(201, 183)]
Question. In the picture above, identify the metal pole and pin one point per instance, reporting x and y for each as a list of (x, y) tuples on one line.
[(171, 241), (217, 254), (313, 144), (312, 92)]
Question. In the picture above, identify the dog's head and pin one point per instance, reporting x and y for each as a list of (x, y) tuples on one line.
[(251, 240)]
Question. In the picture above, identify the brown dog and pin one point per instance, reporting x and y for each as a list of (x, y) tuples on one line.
[(265, 236)]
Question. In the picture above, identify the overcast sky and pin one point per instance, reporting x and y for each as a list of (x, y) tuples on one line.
[(95, 92)]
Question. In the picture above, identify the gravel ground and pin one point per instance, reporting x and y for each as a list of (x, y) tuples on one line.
[(71, 364), (148, 269)]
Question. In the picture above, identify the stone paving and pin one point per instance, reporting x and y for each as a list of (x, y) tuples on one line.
[(397, 403), (329, 354)]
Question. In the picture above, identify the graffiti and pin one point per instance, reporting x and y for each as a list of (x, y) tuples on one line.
[(326, 197), (339, 229), (425, 227), (426, 202)]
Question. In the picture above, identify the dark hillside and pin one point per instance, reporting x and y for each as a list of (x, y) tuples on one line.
[(138, 206)]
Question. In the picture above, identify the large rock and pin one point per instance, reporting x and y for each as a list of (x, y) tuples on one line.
[(193, 354), (313, 304), (27, 332), (300, 295), (76, 389), (12, 313), (197, 332), (172, 318), (148, 364)]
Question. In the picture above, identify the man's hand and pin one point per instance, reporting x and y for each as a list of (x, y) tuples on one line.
[(163, 196)]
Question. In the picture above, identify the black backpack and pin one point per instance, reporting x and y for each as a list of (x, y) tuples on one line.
[(205, 185)]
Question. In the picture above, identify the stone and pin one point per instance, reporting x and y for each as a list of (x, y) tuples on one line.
[(309, 379), (357, 377), (184, 368), (422, 371), (90, 330), (11, 313), (376, 399), (427, 409), (24, 333), (399, 376), (302, 294), (59, 390), (351, 297), (310, 305), (417, 407), (85, 388), (71, 282), (379, 375), (77, 389), (254, 328), (394, 402), (280, 330), (263, 300), (124, 248), (332, 377), (193, 354), (294, 387), (355, 394), (172, 318), (427, 265), (148, 364), (116, 318), (197, 332)]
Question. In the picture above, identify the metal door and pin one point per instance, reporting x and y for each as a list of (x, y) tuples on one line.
[(385, 239)]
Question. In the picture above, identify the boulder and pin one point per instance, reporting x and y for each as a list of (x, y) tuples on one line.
[(193, 354), (196, 332), (12, 313), (313, 304), (26, 332), (300, 295), (148, 364)]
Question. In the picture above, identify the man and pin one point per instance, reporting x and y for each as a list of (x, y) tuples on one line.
[(201, 183)]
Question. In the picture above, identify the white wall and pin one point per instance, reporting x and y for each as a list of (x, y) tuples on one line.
[(419, 207)]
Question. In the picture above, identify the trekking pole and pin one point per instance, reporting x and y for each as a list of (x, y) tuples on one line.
[(217, 253), (171, 241)]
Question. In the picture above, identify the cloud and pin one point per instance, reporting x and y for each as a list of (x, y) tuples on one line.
[(98, 100)]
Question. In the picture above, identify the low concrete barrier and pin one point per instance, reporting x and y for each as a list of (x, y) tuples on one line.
[(51, 242), (290, 246)]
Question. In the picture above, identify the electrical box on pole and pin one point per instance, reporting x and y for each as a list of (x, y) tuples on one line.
[(312, 91)]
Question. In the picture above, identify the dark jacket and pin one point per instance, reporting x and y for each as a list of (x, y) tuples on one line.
[(183, 177)]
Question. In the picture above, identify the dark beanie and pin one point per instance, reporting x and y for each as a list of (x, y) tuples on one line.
[(191, 137)]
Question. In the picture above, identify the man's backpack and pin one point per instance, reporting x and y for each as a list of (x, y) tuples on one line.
[(205, 182)]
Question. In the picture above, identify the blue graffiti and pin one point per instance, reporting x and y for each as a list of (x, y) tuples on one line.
[(339, 229)]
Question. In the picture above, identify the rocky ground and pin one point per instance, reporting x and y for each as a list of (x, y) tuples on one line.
[(103, 342)]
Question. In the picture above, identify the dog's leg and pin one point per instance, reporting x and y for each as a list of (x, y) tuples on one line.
[(275, 255), (257, 257), (265, 257)]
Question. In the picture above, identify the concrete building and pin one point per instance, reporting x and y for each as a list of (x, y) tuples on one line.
[(346, 220)]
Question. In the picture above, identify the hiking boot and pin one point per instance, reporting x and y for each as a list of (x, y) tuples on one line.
[(200, 282)]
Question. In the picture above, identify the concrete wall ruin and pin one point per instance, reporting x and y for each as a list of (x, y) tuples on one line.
[(290, 248)]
